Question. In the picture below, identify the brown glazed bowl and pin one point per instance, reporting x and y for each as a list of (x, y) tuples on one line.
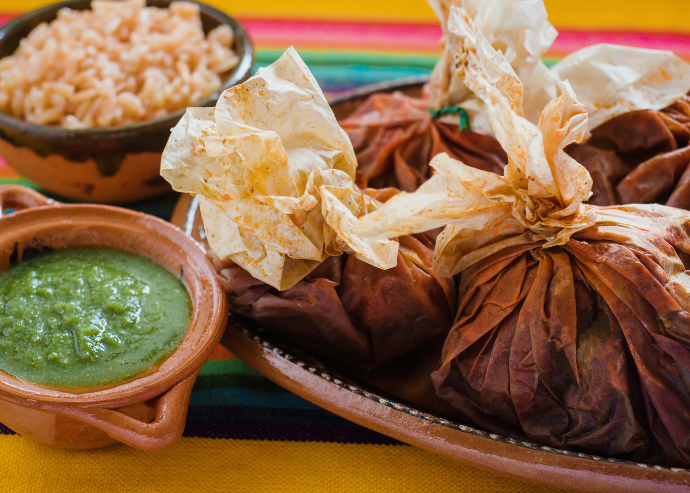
[(101, 164), (149, 411)]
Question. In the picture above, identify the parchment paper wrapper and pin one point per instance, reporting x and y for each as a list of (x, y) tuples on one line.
[(609, 80), (395, 136), (573, 324), (542, 190), (520, 30), (275, 174)]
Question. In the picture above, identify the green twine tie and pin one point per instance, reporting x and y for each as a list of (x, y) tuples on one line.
[(464, 117)]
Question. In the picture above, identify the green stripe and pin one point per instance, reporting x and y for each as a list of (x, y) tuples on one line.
[(266, 57), (232, 397), (249, 382), (17, 181), (342, 78), (226, 366)]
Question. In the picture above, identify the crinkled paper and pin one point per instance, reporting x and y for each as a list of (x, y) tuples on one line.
[(275, 176), (539, 198), (608, 80), (611, 80), (518, 28)]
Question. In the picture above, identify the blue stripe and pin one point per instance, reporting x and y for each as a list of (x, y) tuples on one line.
[(249, 398)]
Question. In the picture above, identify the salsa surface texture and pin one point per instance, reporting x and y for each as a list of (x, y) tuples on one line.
[(88, 317)]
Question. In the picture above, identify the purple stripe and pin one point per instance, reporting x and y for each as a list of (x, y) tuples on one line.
[(298, 425)]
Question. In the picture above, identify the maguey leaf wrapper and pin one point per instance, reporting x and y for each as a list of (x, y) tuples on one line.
[(349, 310), (395, 136), (640, 157), (275, 176), (573, 321)]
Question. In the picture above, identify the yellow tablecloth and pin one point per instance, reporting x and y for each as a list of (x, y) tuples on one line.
[(244, 433)]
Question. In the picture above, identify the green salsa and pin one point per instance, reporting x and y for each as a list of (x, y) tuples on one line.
[(88, 317)]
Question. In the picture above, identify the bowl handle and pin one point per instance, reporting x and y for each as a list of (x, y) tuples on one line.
[(17, 197), (163, 431)]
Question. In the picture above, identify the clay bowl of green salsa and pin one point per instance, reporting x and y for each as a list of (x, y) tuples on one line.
[(106, 317)]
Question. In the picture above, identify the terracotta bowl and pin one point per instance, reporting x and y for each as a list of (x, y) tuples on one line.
[(149, 411), (105, 164)]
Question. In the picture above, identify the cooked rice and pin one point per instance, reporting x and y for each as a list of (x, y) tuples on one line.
[(118, 63)]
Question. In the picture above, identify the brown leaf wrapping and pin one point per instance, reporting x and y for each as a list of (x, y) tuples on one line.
[(275, 176), (394, 138), (349, 310), (581, 347), (394, 135), (573, 325), (641, 157)]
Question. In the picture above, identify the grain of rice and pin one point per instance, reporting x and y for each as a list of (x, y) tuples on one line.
[(118, 63)]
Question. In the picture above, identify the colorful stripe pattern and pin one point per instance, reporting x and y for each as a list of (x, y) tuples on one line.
[(243, 432), (232, 401), (345, 55)]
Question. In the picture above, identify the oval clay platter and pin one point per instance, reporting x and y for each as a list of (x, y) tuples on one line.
[(392, 401)]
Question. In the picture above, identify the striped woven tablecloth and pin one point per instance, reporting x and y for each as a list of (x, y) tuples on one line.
[(243, 432)]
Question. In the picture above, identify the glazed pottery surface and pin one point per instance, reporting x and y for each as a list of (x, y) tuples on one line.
[(102, 164), (138, 177), (390, 402), (149, 411)]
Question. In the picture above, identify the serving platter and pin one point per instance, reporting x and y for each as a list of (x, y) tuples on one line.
[(394, 401)]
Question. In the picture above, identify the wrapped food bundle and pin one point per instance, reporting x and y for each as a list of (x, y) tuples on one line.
[(573, 323), (395, 136), (349, 310), (641, 156), (275, 176), (639, 116)]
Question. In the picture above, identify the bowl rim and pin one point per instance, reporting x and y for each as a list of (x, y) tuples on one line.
[(241, 71), (202, 337)]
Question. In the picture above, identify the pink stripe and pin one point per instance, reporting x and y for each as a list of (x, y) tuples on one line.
[(569, 41), (5, 170), (421, 37), (6, 18), (425, 37), (331, 34)]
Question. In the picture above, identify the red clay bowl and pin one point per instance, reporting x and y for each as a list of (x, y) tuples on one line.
[(149, 411), (101, 164)]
